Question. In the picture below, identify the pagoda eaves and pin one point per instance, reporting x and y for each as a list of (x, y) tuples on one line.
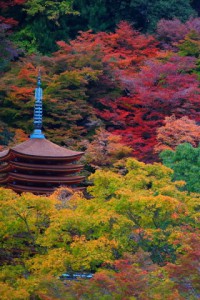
[(38, 165)]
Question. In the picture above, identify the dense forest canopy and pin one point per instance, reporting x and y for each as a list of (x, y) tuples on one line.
[(121, 82)]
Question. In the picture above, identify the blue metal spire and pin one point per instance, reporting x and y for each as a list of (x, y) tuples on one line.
[(37, 133)]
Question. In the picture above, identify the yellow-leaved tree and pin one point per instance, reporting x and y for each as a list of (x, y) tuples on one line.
[(128, 232)]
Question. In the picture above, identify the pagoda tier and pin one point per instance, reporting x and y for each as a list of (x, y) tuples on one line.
[(35, 190), (44, 179), (25, 167), (39, 166)]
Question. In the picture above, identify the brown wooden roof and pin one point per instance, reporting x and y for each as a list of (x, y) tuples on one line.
[(32, 189), (37, 190), (4, 153), (47, 179), (40, 148), (5, 168), (66, 168)]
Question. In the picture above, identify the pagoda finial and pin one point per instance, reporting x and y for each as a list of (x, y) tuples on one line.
[(37, 133), (39, 79)]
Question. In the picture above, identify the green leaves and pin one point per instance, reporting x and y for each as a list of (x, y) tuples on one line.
[(185, 162), (52, 9)]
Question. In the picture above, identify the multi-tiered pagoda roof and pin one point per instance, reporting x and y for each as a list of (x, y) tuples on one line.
[(38, 165)]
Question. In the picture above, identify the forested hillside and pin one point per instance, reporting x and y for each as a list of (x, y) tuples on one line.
[(121, 82)]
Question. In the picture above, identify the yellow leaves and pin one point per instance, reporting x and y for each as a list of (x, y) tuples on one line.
[(133, 164), (159, 208), (28, 201), (145, 195), (171, 190), (47, 237), (9, 293), (54, 262), (68, 198), (57, 233), (105, 184), (159, 171), (24, 221), (31, 209), (88, 254), (146, 176), (83, 254), (91, 75), (7, 194), (162, 286), (62, 193)]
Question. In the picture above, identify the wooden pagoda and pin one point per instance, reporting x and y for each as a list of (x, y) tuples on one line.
[(38, 165)]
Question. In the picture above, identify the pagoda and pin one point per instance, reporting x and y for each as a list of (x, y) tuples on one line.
[(38, 165)]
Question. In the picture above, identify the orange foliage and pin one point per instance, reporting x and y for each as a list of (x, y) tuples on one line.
[(21, 93), (128, 50), (28, 72), (177, 131), (118, 50), (105, 149), (4, 6), (20, 136)]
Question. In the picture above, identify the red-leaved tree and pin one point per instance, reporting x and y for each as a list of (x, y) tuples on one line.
[(161, 89), (171, 32)]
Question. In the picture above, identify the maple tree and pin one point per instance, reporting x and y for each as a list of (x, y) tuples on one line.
[(124, 80), (113, 94), (150, 223), (64, 19), (93, 66), (103, 49), (160, 89), (175, 132), (190, 46), (44, 237), (19, 96), (105, 149), (100, 59), (131, 277), (73, 80), (171, 32)]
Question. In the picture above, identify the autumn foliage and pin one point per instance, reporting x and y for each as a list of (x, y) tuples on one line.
[(136, 233), (176, 132), (129, 99), (126, 82), (160, 89)]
